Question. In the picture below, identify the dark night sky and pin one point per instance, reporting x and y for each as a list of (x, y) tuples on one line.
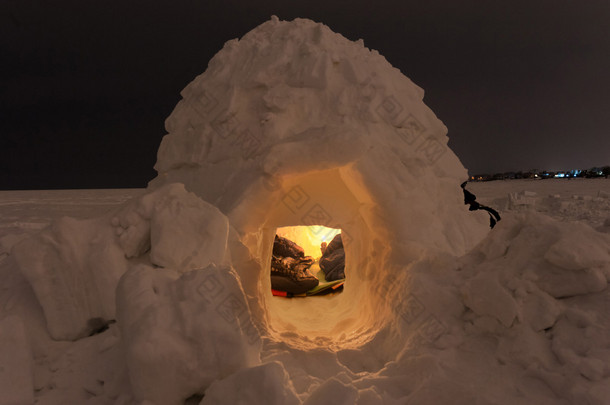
[(86, 85)]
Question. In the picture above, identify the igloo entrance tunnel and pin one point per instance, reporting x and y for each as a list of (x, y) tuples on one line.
[(296, 125)]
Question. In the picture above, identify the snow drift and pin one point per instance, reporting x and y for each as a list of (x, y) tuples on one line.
[(296, 125)]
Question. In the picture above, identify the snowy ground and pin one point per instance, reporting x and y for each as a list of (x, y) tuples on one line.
[(586, 200), (26, 211), (562, 356)]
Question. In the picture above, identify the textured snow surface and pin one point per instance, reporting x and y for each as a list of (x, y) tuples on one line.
[(16, 363), (164, 297), (181, 333), (457, 345)]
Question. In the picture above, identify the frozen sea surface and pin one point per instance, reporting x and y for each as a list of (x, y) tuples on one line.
[(26, 211), (586, 200)]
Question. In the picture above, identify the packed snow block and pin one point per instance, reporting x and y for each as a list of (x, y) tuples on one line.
[(578, 262), (561, 283), (267, 384), (484, 295), (333, 391), (132, 227), (523, 199), (177, 228), (561, 258), (580, 341), (187, 233), (74, 267), (182, 332), (568, 252), (16, 364), (539, 310), (525, 347)]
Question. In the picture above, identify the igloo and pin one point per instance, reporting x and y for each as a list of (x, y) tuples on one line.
[(296, 125), (291, 125)]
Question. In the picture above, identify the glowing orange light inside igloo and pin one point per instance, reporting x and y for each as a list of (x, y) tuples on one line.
[(310, 238)]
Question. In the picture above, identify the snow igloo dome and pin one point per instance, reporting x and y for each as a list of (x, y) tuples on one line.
[(295, 125), (167, 298)]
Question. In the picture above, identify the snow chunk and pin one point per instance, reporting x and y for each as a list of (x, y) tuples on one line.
[(267, 384), (485, 296), (539, 310), (182, 231), (581, 342), (564, 283), (560, 258), (186, 232), (566, 254), (75, 265), (181, 332), (522, 199), (333, 392)]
